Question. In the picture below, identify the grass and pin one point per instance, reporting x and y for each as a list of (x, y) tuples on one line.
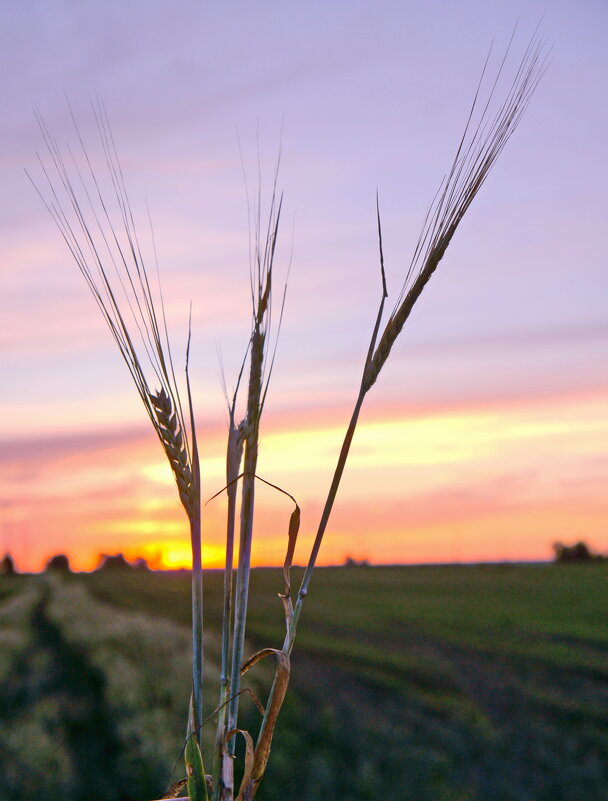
[(8, 584), (477, 683), (504, 609), (464, 663)]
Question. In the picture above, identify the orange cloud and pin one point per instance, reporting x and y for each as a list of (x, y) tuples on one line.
[(491, 481)]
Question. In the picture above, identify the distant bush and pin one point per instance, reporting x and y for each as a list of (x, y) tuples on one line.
[(352, 562), (59, 563), (117, 561), (7, 566), (579, 552)]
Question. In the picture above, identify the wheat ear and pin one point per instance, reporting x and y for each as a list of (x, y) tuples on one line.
[(481, 144), (101, 236), (175, 447)]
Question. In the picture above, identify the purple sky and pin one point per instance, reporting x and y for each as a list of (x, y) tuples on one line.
[(369, 95)]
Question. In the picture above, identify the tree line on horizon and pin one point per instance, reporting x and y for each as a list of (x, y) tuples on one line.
[(577, 552)]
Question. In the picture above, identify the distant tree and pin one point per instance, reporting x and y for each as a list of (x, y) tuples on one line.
[(140, 564), (59, 563), (7, 566), (579, 552), (351, 562), (115, 561)]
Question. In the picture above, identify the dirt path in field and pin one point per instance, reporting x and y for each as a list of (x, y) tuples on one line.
[(53, 683)]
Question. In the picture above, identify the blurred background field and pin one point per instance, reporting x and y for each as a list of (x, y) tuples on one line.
[(448, 683)]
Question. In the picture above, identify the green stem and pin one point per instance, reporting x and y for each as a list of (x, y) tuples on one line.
[(247, 505), (329, 503), (333, 491), (197, 568), (197, 617), (331, 497), (242, 580), (233, 459), (344, 451)]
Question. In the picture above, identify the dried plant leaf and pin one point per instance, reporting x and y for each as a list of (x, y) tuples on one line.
[(257, 657), (258, 478), (275, 702), (285, 596), (246, 788), (294, 529), (175, 789)]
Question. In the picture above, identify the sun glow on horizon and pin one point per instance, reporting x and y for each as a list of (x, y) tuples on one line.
[(172, 555), (487, 482)]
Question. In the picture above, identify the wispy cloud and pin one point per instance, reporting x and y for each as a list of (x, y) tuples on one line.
[(524, 474), (551, 337)]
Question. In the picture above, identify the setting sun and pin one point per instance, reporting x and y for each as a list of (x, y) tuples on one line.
[(168, 555)]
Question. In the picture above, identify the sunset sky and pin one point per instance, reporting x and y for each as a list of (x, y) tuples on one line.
[(486, 436)]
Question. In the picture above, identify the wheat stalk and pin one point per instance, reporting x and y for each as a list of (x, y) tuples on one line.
[(109, 256), (222, 776), (259, 377), (484, 138)]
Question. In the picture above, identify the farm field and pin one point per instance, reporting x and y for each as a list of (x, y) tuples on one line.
[(458, 683)]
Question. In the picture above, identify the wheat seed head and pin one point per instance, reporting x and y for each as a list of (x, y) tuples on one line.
[(98, 228), (488, 129)]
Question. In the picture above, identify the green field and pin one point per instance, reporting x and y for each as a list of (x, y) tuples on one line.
[(486, 683)]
